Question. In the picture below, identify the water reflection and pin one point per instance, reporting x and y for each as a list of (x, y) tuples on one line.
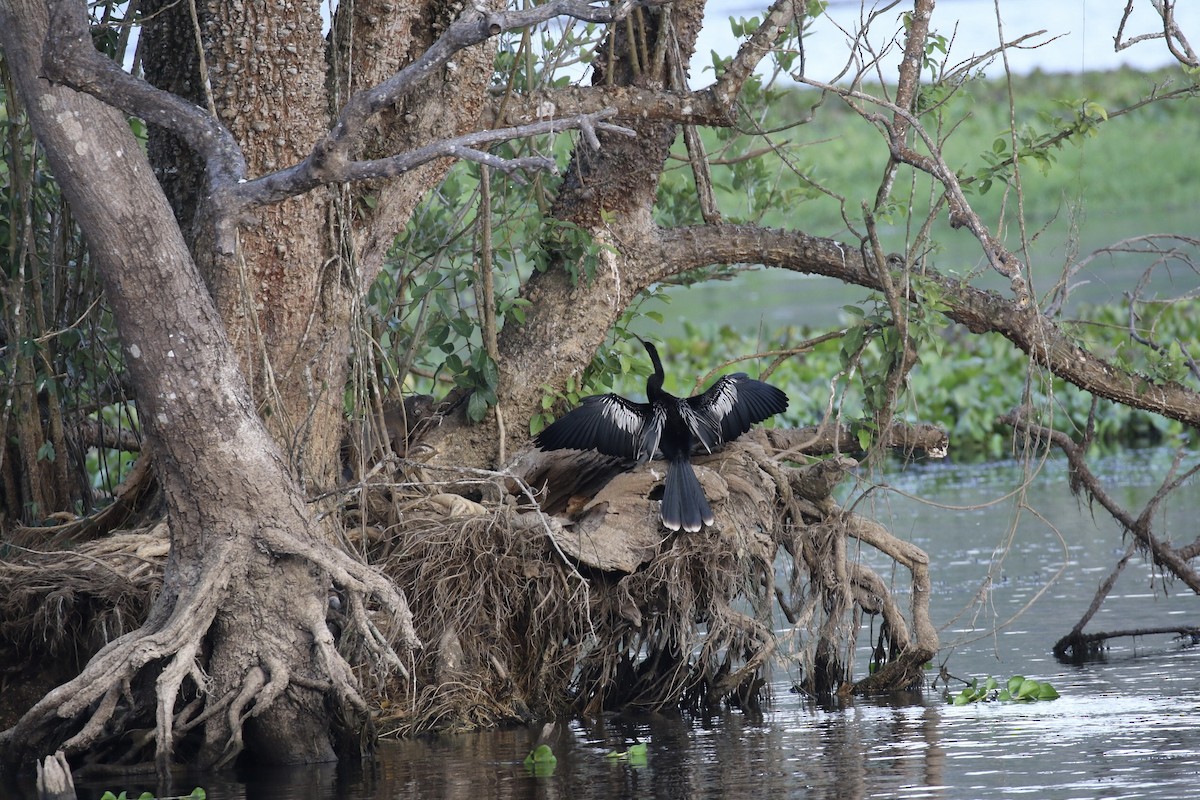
[(1127, 725)]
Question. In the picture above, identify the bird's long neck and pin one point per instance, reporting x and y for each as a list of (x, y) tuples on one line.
[(654, 384)]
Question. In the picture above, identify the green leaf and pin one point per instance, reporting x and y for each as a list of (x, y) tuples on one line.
[(1047, 692), (477, 407), (46, 452), (542, 753), (853, 340), (1027, 689), (70, 337), (463, 325), (438, 334), (490, 373), (636, 755)]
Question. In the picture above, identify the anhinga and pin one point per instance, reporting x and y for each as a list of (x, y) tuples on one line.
[(672, 426)]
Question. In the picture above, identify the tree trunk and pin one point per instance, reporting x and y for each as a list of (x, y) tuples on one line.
[(288, 294), (241, 618), (609, 193)]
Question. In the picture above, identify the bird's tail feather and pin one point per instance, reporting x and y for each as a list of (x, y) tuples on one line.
[(683, 503)]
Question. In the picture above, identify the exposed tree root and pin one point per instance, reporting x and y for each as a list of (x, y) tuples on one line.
[(903, 669), (153, 678), (524, 614), (585, 604), (96, 693)]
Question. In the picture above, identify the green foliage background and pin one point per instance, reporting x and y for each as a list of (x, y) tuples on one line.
[(1084, 181)]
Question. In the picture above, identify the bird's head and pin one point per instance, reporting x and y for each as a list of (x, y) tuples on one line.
[(650, 348), (654, 359)]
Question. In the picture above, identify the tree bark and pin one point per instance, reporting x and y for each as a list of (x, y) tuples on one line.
[(248, 574)]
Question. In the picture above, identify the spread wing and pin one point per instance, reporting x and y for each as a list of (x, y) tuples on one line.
[(730, 406), (608, 423)]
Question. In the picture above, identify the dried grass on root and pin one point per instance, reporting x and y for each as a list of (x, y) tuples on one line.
[(514, 632), (701, 634), (64, 605), (503, 618)]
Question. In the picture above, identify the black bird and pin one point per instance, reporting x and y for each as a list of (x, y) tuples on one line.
[(670, 425)]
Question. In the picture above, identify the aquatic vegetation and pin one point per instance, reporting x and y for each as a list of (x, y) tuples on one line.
[(541, 761), (196, 794), (636, 755), (1018, 689)]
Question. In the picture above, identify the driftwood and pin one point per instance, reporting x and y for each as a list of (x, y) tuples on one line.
[(1174, 559), (1076, 644), (1076, 647)]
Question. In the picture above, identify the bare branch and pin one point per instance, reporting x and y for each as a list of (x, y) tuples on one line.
[(713, 105), (302, 177), (1139, 527), (470, 29), (1001, 259), (960, 70), (1177, 43)]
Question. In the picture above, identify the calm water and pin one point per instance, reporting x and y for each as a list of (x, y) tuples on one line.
[(1127, 726)]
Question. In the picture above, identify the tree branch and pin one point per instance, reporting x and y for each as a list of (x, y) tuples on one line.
[(302, 177), (687, 248), (72, 60), (713, 105), (700, 107), (774, 26), (69, 57)]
